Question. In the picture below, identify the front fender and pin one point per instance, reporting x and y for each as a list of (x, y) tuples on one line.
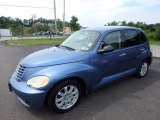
[(57, 73), (81, 70)]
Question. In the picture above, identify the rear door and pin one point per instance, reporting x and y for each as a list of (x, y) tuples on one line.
[(132, 48)]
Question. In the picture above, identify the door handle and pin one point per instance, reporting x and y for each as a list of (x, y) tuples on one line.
[(123, 54), (142, 49)]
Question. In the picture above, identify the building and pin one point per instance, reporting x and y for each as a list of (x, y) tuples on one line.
[(5, 33), (67, 30)]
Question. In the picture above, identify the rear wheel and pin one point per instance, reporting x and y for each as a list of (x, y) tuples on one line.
[(143, 69), (65, 96)]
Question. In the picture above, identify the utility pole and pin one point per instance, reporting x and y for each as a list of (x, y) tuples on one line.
[(63, 15), (23, 28), (55, 19), (10, 33), (34, 26)]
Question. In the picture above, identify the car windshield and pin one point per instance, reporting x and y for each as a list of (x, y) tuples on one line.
[(82, 40)]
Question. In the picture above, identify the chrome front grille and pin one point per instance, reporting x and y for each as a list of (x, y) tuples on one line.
[(19, 72)]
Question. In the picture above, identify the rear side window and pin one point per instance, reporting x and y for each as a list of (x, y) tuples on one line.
[(142, 37), (131, 38)]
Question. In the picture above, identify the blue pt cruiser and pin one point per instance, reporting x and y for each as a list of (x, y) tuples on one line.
[(87, 60)]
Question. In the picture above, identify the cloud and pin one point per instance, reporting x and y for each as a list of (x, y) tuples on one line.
[(109, 11), (92, 11), (89, 12), (148, 3)]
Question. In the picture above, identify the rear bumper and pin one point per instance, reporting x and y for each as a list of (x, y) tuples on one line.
[(29, 97)]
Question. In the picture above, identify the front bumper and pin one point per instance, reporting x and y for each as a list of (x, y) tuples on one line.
[(29, 97)]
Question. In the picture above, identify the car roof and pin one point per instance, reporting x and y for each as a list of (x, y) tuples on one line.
[(111, 28)]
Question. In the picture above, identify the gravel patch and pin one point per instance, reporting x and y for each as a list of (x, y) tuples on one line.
[(155, 50)]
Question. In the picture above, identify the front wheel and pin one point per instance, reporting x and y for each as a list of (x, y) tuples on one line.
[(143, 69), (64, 96)]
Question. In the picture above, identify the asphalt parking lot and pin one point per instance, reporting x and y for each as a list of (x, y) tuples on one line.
[(128, 99)]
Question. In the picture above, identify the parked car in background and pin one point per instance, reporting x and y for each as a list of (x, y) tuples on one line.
[(60, 33), (86, 61), (66, 34), (46, 33)]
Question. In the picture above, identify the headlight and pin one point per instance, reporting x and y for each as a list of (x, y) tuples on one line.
[(38, 82)]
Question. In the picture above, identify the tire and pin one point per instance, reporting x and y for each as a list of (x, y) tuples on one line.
[(64, 96), (143, 69)]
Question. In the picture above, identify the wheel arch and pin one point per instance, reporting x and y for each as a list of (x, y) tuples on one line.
[(149, 60), (78, 79)]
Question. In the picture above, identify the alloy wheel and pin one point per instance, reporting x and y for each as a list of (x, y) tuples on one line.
[(67, 97)]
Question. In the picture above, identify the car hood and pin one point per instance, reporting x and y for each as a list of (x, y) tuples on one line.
[(53, 56)]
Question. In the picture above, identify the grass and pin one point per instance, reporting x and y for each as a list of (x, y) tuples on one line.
[(154, 42), (34, 41)]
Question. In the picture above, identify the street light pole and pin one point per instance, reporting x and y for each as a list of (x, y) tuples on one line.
[(55, 21), (63, 15)]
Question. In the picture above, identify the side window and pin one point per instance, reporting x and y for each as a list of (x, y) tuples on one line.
[(142, 36), (131, 38), (114, 39)]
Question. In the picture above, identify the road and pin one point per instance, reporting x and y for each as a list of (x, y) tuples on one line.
[(128, 99), (31, 37)]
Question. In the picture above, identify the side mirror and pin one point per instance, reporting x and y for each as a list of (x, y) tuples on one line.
[(107, 48)]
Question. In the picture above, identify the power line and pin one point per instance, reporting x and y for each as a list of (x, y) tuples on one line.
[(41, 7)]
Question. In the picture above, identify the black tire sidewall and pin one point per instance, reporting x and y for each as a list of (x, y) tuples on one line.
[(56, 89)]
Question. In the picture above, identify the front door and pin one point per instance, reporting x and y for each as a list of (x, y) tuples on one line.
[(108, 65)]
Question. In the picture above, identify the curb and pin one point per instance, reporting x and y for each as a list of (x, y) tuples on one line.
[(155, 57)]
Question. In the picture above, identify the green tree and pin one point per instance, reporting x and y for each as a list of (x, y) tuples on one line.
[(59, 25), (123, 23), (156, 34), (42, 27), (29, 30), (114, 23), (73, 23)]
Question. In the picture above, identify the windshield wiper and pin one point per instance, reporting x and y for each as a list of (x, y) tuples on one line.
[(69, 48)]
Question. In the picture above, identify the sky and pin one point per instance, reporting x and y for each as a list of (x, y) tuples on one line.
[(91, 13)]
